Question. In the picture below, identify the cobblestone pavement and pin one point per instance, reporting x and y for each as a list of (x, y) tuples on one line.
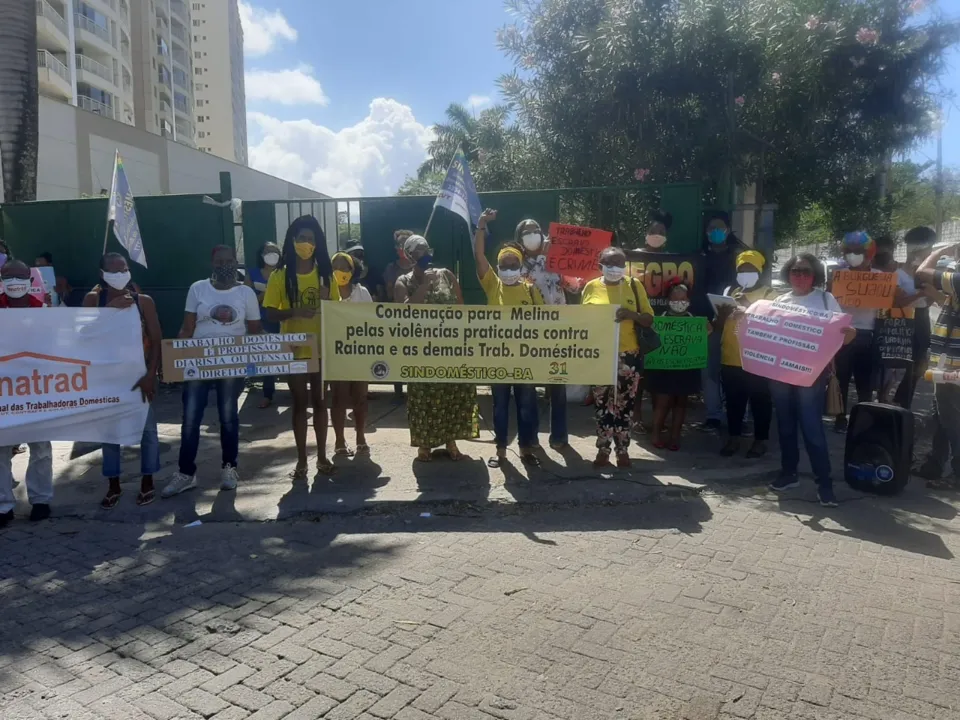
[(689, 609)]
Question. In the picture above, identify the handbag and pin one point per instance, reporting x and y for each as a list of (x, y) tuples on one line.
[(647, 337)]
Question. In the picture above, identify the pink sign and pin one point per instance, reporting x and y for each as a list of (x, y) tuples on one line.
[(789, 343)]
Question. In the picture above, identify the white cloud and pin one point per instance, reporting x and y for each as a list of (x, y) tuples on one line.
[(479, 102), (263, 29), (286, 87), (370, 158)]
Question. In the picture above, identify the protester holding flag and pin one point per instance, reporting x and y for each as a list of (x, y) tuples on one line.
[(268, 257), (293, 298), (614, 406), (116, 291), (507, 287), (439, 414), (218, 307), (15, 279), (399, 267), (803, 406)]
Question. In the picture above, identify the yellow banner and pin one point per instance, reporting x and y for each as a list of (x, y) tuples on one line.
[(542, 345)]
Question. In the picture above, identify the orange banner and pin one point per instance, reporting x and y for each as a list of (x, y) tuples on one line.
[(857, 290), (575, 251)]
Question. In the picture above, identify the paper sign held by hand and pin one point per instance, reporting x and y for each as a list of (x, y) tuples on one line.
[(575, 251), (856, 290)]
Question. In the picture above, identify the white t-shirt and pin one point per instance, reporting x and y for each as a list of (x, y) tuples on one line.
[(813, 300), (221, 312), (359, 294)]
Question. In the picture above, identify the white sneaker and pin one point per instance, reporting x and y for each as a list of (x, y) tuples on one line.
[(178, 484), (229, 478)]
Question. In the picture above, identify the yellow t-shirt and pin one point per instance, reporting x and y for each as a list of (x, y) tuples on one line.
[(523, 293), (597, 292), (308, 287), (729, 342)]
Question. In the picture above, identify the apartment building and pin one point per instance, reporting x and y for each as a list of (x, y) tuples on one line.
[(127, 60), (84, 55), (221, 106)]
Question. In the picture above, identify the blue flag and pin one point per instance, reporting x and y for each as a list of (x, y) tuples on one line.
[(458, 193), (123, 212)]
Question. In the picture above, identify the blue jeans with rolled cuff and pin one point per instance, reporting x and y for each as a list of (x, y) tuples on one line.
[(149, 451)]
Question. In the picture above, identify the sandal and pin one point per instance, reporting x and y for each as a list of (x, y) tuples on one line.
[(497, 460), (454, 452), (111, 499), (343, 451), (146, 497), (363, 450), (265, 403), (325, 467), (529, 459), (299, 473), (659, 444), (673, 446), (424, 455)]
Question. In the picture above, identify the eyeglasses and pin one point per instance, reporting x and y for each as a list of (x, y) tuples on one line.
[(801, 272)]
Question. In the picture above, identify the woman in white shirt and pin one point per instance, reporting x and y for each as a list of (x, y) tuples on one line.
[(346, 394), (219, 306), (802, 407)]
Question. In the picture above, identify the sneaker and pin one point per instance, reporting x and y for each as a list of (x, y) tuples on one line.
[(840, 425), (826, 497), (785, 482), (5, 519), (178, 484), (229, 477), (40, 511)]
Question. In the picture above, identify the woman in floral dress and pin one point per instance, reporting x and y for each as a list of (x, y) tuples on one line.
[(439, 414)]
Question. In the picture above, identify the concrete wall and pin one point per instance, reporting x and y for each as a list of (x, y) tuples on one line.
[(76, 160)]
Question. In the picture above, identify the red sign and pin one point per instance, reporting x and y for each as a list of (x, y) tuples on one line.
[(575, 251)]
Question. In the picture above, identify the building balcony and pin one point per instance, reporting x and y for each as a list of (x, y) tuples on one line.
[(180, 34), (165, 108), (95, 73), (179, 10), (124, 13), (96, 35), (53, 33), (54, 76), (96, 107)]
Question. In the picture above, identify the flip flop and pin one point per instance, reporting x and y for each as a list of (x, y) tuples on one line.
[(530, 460), (145, 498), (325, 467), (111, 499), (343, 451), (659, 444), (424, 456), (494, 463), (673, 447), (363, 450), (299, 473)]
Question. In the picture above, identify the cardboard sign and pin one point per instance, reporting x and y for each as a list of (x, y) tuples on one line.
[(656, 270), (683, 344), (236, 356), (894, 339), (789, 343), (575, 251), (857, 290)]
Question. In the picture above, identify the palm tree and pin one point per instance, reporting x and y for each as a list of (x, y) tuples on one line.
[(18, 100)]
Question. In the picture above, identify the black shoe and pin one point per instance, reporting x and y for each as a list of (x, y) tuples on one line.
[(840, 424), (930, 470), (731, 448), (40, 511), (5, 519)]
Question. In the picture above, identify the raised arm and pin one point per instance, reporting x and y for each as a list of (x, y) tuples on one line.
[(480, 243)]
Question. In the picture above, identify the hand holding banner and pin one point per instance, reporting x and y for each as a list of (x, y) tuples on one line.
[(683, 344), (575, 251), (236, 356), (864, 290), (789, 343)]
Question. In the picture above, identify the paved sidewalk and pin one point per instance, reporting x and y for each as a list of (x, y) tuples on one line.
[(693, 609), (390, 477)]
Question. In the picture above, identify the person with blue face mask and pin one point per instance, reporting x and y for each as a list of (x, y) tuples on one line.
[(721, 248)]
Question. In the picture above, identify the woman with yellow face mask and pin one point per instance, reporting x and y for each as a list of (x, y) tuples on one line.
[(349, 394), (294, 293)]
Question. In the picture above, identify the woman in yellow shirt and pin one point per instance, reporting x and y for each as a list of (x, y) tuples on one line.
[(294, 293), (507, 287), (615, 408)]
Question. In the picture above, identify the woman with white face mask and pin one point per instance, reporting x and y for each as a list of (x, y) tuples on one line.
[(740, 387), (614, 409), (268, 257), (507, 286)]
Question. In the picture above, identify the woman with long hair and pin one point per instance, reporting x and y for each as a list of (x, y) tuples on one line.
[(268, 258), (294, 293)]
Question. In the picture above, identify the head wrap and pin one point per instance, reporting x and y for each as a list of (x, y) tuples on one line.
[(507, 252), (860, 241), (347, 257), (414, 244), (752, 257)]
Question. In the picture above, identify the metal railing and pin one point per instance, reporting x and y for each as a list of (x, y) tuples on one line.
[(178, 8), (165, 107), (95, 106), (88, 64), (45, 9), (48, 60), (124, 12), (179, 33), (85, 23), (181, 57)]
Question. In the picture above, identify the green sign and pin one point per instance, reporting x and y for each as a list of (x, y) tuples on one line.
[(683, 344)]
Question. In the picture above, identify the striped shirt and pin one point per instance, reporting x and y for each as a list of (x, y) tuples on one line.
[(948, 282)]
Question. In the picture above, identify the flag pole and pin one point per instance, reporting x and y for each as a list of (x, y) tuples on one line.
[(110, 201), (434, 210)]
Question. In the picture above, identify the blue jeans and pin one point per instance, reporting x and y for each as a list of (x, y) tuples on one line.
[(149, 451), (194, 403), (269, 382), (557, 394), (802, 407), (710, 379), (527, 414)]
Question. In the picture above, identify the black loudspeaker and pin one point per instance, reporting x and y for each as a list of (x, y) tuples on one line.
[(879, 448)]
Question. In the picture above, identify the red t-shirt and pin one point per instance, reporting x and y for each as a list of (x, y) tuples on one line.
[(32, 301)]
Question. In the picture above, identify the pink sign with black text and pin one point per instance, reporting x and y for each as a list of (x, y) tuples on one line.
[(789, 343)]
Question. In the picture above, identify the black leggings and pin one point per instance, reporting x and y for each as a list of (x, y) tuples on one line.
[(856, 361), (740, 388)]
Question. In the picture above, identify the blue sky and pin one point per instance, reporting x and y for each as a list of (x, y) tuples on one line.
[(341, 95)]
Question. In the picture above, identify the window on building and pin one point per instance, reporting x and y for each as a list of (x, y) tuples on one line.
[(196, 23), (198, 71), (201, 134)]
